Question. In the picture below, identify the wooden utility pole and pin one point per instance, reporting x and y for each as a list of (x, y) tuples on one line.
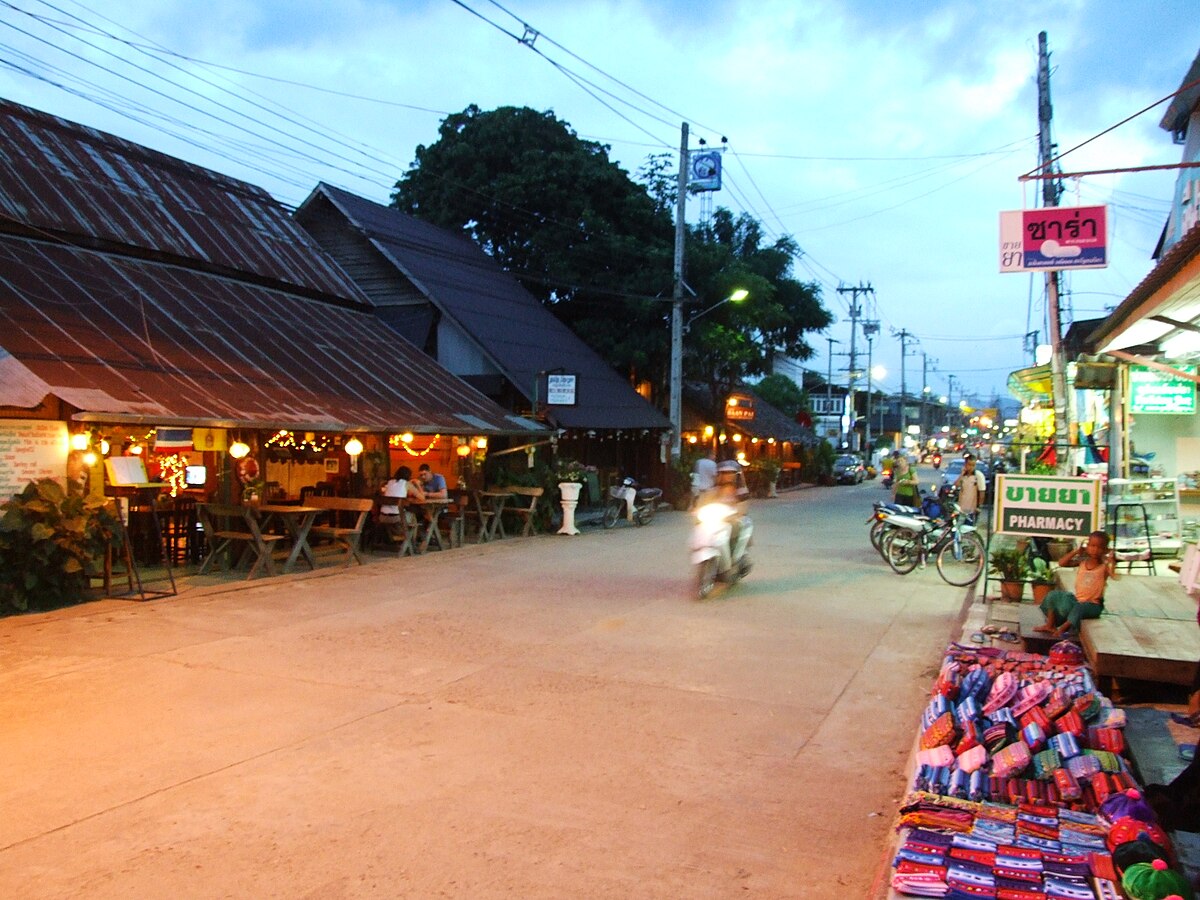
[(677, 302), (853, 370), (1051, 192)]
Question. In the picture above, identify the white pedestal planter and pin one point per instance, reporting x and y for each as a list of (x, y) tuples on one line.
[(570, 499)]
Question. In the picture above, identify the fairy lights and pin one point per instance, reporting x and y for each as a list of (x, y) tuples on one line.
[(173, 471), (402, 441), (286, 440)]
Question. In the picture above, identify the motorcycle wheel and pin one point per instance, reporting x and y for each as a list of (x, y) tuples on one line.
[(903, 550), (965, 567), (706, 577), (643, 516), (885, 536), (876, 532), (612, 512)]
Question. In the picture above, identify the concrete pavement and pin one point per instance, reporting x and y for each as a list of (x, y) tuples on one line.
[(544, 717)]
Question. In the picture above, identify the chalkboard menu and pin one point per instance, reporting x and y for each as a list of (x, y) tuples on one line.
[(31, 449)]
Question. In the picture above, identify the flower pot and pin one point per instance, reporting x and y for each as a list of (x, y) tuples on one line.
[(1012, 591), (1040, 591), (570, 499)]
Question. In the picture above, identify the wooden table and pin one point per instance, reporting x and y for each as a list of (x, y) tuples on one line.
[(496, 500), (434, 509), (298, 521)]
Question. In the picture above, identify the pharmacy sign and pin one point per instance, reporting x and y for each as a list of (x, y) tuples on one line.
[(1045, 505)]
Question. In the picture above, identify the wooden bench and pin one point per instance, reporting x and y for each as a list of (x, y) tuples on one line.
[(1147, 632), (225, 526), (344, 538), (524, 505)]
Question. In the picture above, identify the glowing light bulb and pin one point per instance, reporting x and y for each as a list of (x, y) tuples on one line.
[(354, 446), (239, 449)]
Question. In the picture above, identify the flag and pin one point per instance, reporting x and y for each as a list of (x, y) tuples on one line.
[(172, 440)]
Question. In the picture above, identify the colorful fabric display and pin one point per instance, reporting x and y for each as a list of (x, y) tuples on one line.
[(1011, 760), (936, 757), (975, 684), (948, 681), (1128, 828), (1070, 722), (998, 736), (1045, 763), (1029, 696), (972, 735), (1110, 739), (972, 759), (968, 708), (1056, 704), (1088, 706), (1038, 716), (1068, 786), (940, 732), (1034, 736), (1139, 850), (1004, 688), (1066, 744), (1109, 761)]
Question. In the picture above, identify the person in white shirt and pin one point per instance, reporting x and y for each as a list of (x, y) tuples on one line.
[(971, 487)]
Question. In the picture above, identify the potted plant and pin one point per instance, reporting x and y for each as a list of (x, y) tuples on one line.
[(1041, 579), (1012, 567), (768, 474)]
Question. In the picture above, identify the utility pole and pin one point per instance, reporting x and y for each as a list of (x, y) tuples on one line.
[(1051, 192), (925, 429), (829, 378), (853, 372), (870, 329), (904, 337), (677, 302)]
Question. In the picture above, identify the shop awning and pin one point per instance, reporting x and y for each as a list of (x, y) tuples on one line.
[(1032, 384), (131, 340)]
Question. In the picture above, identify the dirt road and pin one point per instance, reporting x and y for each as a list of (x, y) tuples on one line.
[(550, 717)]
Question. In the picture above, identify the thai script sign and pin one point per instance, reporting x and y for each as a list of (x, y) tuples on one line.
[(1045, 505), (704, 170), (1054, 237), (560, 390), (739, 408), (1152, 391)]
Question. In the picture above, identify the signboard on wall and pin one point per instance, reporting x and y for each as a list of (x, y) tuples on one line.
[(1046, 505), (31, 449), (1161, 393), (560, 390)]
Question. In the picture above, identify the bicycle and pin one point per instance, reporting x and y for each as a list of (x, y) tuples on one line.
[(959, 551)]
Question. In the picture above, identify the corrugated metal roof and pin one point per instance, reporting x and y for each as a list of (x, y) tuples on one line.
[(65, 178), (128, 339), (520, 336)]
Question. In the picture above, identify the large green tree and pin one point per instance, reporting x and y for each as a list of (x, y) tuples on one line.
[(741, 340), (552, 208), (593, 244)]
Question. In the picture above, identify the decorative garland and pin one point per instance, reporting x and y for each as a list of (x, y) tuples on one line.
[(286, 440), (173, 470), (403, 440)]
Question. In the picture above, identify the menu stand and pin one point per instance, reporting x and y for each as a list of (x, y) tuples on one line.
[(142, 495)]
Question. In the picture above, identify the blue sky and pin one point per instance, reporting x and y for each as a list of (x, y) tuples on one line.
[(885, 137)]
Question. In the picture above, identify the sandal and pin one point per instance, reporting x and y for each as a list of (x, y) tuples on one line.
[(978, 637), (991, 629), (1009, 636), (1191, 720)]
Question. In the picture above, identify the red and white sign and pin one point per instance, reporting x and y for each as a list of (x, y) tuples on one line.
[(1054, 237)]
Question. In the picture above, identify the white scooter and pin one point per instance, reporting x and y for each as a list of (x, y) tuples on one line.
[(713, 556)]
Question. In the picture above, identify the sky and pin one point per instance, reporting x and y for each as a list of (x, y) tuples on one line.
[(884, 136)]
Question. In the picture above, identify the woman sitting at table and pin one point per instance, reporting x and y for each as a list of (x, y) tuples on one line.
[(401, 487)]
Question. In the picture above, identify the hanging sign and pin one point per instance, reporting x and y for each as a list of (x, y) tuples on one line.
[(1054, 237), (560, 390), (739, 408), (1046, 505), (1161, 393), (704, 170)]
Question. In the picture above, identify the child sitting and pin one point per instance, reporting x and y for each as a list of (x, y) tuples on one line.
[(1064, 610)]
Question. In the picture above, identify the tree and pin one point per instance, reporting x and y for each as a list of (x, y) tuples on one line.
[(782, 393), (739, 341), (555, 211)]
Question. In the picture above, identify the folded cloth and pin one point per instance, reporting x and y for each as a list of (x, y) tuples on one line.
[(1011, 760), (1066, 745)]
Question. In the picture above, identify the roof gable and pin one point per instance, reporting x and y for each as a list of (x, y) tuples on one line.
[(522, 338)]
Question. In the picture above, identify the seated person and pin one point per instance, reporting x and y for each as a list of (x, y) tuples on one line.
[(1096, 563), (433, 484), (400, 487)]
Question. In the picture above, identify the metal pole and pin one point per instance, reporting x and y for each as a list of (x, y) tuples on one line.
[(867, 423), (677, 301)]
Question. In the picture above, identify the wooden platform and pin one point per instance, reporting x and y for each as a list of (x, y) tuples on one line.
[(1148, 631)]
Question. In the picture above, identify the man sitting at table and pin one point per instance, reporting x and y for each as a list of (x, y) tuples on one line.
[(432, 483)]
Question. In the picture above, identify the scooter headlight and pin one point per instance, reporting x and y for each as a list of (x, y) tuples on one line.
[(713, 513)]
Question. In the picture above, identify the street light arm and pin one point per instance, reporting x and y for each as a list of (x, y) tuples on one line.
[(735, 297)]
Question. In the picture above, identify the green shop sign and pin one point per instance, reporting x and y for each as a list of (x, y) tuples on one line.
[(1044, 505), (1155, 391)]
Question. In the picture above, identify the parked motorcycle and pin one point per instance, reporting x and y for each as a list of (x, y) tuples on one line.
[(717, 554), (627, 495)]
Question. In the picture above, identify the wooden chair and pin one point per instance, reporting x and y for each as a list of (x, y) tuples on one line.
[(524, 506), (396, 529), (225, 526), (346, 526), (475, 512)]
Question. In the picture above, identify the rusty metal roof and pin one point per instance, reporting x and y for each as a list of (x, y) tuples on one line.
[(67, 179), (132, 340), (522, 338)]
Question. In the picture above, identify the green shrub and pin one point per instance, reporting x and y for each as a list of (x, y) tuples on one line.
[(49, 542)]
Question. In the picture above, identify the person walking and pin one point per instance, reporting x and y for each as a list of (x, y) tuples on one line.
[(905, 484), (972, 487)]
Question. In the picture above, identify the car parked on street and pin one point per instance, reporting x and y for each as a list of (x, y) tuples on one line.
[(849, 469)]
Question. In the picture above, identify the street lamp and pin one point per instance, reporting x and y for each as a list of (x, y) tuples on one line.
[(678, 330)]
